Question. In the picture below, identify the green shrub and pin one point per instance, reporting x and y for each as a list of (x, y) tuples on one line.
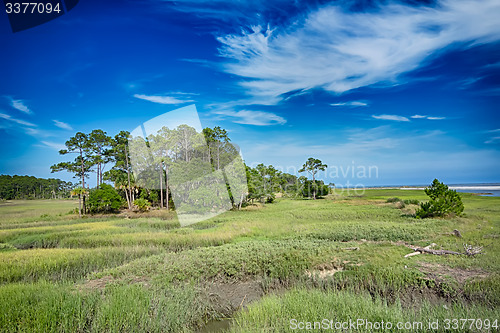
[(411, 202), (104, 199), (443, 202), (393, 200), (142, 204), (316, 188)]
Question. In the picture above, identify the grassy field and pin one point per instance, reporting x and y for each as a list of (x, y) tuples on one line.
[(266, 268)]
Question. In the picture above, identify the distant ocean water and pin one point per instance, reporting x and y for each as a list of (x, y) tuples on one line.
[(491, 190)]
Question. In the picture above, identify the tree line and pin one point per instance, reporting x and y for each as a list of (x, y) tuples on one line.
[(29, 187), (174, 159)]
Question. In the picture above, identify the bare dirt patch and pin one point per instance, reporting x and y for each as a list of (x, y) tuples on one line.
[(439, 272), (327, 270), (228, 297), (100, 283)]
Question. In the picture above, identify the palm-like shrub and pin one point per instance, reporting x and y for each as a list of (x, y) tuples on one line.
[(142, 204)]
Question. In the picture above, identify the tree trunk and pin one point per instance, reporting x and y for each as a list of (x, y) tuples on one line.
[(98, 173), (82, 169), (166, 187), (209, 154), (314, 189), (84, 206), (128, 176), (80, 205), (128, 198), (218, 155), (241, 201), (161, 184)]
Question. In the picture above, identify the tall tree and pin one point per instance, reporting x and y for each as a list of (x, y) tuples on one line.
[(216, 139), (121, 173), (82, 164), (100, 146), (161, 146), (312, 166)]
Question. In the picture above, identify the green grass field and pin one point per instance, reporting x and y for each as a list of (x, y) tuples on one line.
[(341, 257)]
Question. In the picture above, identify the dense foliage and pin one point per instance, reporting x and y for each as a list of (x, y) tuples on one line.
[(264, 181), (142, 204), (29, 187), (104, 199), (443, 202), (177, 159), (313, 166)]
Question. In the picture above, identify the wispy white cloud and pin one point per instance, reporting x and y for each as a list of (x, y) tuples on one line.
[(15, 120), (20, 105), (351, 104), (62, 125), (201, 62), (493, 140), (37, 132), (390, 117), (54, 145), (163, 99), (25, 127), (418, 116), (249, 117), (338, 50)]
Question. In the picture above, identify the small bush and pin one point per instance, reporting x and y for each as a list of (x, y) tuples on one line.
[(142, 204), (105, 199), (443, 202), (400, 204), (393, 200), (411, 202)]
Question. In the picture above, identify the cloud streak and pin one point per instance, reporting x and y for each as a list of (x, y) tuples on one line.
[(62, 125), (53, 145), (15, 120), (20, 105), (162, 99), (418, 116), (248, 117), (338, 51), (494, 139), (350, 104), (390, 117)]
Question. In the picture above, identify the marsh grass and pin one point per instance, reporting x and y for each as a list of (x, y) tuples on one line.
[(63, 264), (48, 307), (274, 259), (46, 255), (273, 313), (35, 211)]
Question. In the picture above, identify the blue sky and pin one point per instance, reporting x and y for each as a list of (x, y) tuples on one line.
[(411, 88)]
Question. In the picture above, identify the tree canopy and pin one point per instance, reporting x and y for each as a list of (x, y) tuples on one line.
[(312, 166)]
